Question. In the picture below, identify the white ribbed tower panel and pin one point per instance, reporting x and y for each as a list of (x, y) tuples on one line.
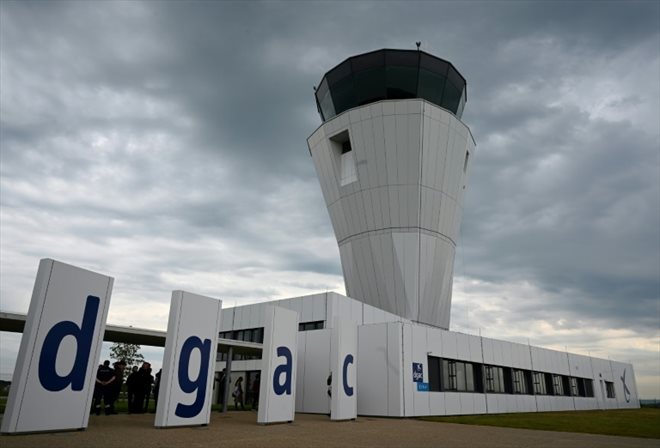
[(395, 198)]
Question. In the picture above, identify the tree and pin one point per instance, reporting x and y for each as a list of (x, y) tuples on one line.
[(130, 353)]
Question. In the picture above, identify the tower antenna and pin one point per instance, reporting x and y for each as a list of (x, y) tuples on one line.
[(419, 44)]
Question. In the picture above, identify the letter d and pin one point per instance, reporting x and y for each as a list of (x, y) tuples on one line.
[(48, 376)]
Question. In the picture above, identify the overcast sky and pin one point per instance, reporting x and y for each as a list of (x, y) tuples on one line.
[(164, 144)]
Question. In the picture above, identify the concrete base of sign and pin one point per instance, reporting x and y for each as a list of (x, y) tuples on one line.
[(27, 433)]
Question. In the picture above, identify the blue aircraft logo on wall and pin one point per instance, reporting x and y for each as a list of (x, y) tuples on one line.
[(626, 391)]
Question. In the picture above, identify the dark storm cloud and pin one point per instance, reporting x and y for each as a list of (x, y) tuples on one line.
[(164, 143)]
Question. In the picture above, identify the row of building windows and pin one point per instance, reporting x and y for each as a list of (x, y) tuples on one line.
[(461, 376), (307, 326), (247, 335), (447, 375), (257, 335)]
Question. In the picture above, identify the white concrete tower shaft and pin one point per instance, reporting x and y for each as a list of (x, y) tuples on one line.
[(393, 174)]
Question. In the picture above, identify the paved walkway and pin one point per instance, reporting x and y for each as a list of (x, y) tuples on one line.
[(239, 429)]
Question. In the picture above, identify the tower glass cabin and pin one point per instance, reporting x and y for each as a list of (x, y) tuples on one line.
[(392, 157)]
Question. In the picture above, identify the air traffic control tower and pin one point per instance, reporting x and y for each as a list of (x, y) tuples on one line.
[(392, 157)]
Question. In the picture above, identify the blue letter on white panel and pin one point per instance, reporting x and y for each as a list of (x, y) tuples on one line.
[(48, 376), (199, 384), (343, 350), (277, 391), (188, 362), (279, 387), (53, 381), (344, 375)]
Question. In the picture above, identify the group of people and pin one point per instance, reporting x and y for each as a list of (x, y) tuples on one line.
[(139, 386), (108, 386), (239, 395)]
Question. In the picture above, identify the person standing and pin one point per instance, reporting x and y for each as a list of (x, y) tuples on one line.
[(238, 393), (115, 386), (105, 376), (143, 387), (148, 386), (222, 377), (255, 393), (157, 387), (131, 388)]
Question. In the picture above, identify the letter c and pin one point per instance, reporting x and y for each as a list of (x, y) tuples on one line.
[(347, 389)]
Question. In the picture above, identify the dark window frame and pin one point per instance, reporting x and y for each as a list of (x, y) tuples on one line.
[(311, 325), (609, 389), (450, 375)]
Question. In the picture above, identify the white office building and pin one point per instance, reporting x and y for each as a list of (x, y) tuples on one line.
[(393, 158)]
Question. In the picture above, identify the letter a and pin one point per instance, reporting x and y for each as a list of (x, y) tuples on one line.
[(279, 387)]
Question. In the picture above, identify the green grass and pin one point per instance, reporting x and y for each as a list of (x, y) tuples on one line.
[(644, 422)]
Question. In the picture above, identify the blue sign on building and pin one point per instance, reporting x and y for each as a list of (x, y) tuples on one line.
[(423, 387), (418, 372)]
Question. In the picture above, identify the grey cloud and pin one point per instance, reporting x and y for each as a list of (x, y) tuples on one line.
[(585, 243)]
